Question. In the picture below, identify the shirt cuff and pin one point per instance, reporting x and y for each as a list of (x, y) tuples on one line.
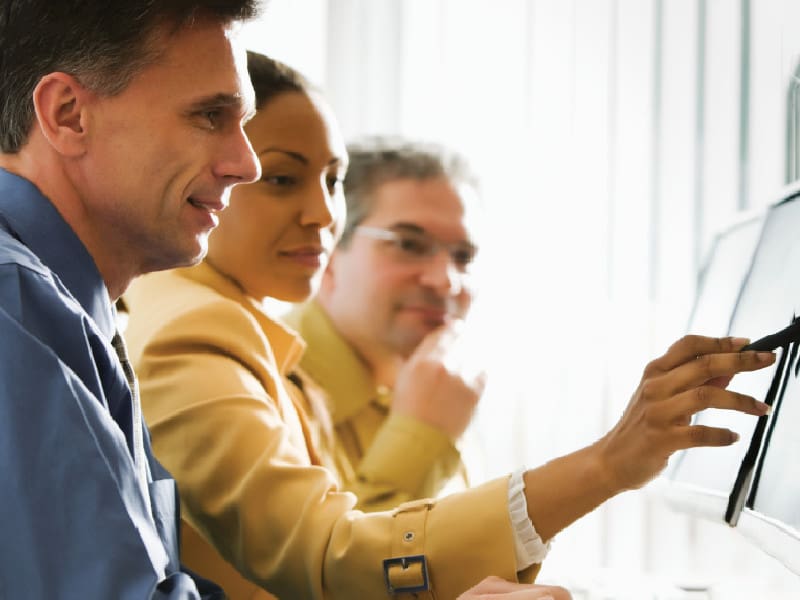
[(528, 546)]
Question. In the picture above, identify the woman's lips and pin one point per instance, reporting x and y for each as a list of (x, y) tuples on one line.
[(307, 256)]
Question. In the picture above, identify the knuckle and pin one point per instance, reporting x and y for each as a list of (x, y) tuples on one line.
[(650, 391), (706, 365), (703, 397), (726, 344), (744, 359), (651, 369), (677, 347), (698, 436), (691, 343)]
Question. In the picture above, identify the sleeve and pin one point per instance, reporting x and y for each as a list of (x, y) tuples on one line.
[(222, 423), (73, 523), (407, 460)]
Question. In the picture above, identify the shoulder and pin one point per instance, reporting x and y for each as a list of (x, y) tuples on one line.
[(15, 255), (171, 312), (28, 287)]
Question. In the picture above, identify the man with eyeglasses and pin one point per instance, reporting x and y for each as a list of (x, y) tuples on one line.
[(389, 311)]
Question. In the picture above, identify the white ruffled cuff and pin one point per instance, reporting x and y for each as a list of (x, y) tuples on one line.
[(528, 545)]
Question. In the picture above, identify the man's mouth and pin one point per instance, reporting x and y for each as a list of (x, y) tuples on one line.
[(211, 205)]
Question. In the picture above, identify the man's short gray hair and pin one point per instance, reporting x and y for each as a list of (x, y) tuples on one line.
[(377, 160)]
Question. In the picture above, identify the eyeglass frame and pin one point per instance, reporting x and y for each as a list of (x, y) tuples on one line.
[(435, 246)]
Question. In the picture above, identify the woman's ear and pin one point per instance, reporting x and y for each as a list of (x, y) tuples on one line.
[(60, 103)]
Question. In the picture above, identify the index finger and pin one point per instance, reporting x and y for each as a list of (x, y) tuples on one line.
[(715, 367), (689, 347), (438, 340)]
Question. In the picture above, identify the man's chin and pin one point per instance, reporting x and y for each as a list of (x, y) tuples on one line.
[(178, 258), (405, 341)]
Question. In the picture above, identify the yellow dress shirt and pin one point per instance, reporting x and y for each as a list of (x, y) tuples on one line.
[(211, 366), (383, 458)]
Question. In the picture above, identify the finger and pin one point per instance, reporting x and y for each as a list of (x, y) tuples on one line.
[(435, 343), (720, 382), (498, 585), (690, 347), (695, 436), (518, 595), (493, 586), (710, 367), (684, 405), (532, 592)]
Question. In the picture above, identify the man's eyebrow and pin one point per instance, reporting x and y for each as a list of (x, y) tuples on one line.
[(221, 100), (405, 226), (414, 228)]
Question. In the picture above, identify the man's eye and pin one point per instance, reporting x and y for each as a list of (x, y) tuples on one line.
[(413, 245), (464, 256), (212, 117)]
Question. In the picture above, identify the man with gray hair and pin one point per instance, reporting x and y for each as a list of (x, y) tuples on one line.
[(390, 311)]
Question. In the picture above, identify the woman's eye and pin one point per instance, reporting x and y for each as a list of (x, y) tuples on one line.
[(333, 183), (278, 180)]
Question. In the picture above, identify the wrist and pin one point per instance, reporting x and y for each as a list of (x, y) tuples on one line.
[(565, 489)]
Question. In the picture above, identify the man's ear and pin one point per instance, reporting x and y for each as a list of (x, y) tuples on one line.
[(60, 104)]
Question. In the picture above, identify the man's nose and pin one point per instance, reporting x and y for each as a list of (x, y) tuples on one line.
[(441, 273), (237, 162)]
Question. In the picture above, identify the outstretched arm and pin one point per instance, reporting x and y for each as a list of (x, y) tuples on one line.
[(689, 377)]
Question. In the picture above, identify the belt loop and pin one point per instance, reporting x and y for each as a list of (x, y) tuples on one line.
[(407, 571)]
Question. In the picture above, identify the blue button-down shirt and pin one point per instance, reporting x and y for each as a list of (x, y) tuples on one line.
[(73, 520)]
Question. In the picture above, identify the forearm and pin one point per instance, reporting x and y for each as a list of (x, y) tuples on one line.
[(406, 460), (563, 490)]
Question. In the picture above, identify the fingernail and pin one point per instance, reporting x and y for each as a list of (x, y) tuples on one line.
[(737, 341), (765, 357), (735, 437)]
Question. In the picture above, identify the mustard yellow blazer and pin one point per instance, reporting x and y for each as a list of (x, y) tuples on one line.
[(210, 363)]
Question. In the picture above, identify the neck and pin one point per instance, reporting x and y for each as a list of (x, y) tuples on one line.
[(382, 365), (49, 173), (385, 372)]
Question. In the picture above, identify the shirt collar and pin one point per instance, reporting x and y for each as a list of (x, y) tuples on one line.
[(287, 347), (35, 222), (333, 363)]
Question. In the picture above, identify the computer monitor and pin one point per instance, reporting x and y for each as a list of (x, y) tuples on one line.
[(703, 478), (769, 499), (754, 485)]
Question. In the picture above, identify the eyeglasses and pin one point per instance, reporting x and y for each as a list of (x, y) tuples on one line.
[(415, 246)]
